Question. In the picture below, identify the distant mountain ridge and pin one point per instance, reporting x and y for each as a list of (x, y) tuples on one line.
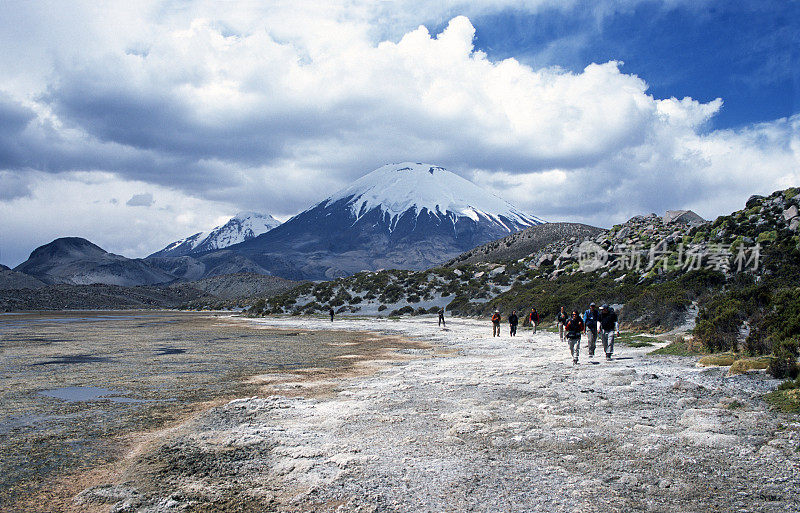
[(76, 261), (243, 226)]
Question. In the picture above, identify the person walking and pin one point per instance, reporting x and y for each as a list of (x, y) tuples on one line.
[(590, 319), (609, 329), (331, 313), (441, 317), (574, 328), (496, 323), (513, 320), (533, 318), (562, 319)]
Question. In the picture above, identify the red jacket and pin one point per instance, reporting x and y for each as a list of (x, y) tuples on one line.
[(496, 318), (534, 317)]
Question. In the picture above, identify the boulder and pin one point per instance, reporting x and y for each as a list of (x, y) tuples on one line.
[(687, 217), (545, 259), (790, 213), (622, 233)]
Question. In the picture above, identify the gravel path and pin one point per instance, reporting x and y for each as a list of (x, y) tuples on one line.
[(481, 424)]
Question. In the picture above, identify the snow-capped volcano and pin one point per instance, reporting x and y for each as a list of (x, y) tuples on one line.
[(243, 226), (407, 216), (399, 189)]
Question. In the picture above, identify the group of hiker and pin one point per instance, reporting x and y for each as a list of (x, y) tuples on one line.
[(532, 320), (595, 321)]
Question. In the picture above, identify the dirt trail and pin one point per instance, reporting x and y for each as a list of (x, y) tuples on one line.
[(485, 424)]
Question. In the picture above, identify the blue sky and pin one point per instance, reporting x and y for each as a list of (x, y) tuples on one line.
[(746, 52), (207, 108)]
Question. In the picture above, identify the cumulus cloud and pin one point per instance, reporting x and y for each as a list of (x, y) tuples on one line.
[(250, 109), (141, 200)]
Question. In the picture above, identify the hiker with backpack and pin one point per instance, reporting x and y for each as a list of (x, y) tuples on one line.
[(441, 318), (513, 320), (533, 318), (574, 328), (590, 319), (496, 323), (561, 320), (609, 329)]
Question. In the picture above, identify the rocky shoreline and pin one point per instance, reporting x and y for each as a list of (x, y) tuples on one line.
[(478, 423)]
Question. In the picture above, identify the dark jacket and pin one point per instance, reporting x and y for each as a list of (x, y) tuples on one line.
[(496, 318), (608, 321), (513, 319), (574, 327), (562, 318), (534, 317)]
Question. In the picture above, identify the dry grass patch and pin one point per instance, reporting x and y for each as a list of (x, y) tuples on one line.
[(718, 359), (744, 365)]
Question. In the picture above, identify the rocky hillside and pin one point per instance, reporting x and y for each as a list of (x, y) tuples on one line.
[(241, 285), (525, 243), (12, 280)]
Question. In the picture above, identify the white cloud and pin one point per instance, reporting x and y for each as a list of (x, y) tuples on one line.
[(273, 107)]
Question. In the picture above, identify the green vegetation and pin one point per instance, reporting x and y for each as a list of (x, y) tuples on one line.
[(680, 347), (787, 397), (658, 302)]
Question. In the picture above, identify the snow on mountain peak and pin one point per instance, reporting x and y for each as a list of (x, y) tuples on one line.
[(397, 188), (243, 226)]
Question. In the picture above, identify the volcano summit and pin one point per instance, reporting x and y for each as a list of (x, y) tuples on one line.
[(407, 216)]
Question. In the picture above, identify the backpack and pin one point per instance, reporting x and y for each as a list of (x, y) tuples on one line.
[(574, 327)]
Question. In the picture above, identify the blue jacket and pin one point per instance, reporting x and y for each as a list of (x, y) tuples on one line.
[(590, 319)]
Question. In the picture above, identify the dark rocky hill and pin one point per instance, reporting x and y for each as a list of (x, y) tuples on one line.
[(525, 243), (241, 285), (77, 261)]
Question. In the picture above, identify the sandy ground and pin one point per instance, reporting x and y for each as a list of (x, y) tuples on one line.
[(477, 423)]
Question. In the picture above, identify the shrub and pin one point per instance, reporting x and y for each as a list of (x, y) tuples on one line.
[(402, 311), (785, 362), (382, 308), (768, 236)]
